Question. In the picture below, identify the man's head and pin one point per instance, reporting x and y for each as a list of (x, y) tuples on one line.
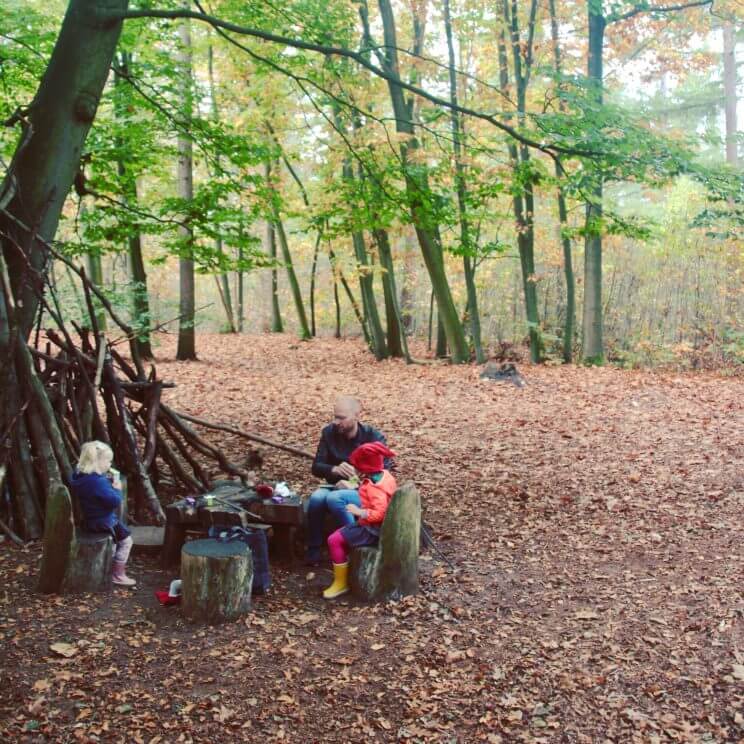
[(346, 412)]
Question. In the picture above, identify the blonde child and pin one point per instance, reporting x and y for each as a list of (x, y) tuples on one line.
[(99, 496)]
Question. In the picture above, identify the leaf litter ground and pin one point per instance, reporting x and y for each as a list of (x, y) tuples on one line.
[(594, 518)]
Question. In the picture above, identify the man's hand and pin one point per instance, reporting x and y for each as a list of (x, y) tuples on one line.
[(344, 470), (355, 510)]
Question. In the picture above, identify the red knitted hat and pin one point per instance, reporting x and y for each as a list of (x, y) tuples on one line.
[(369, 458)]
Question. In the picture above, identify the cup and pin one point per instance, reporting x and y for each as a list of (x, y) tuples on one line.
[(209, 500)]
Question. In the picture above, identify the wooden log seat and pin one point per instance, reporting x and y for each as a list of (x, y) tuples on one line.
[(390, 570), (217, 579), (72, 561), (89, 567)]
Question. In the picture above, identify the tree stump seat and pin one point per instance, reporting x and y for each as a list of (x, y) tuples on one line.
[(217, 578), (73, 561), (390, 570), (90, 562)]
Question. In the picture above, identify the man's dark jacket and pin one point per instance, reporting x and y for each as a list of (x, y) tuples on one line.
[(334, 448)]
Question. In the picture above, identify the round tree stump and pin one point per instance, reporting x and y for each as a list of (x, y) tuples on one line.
[(89, 567), (217, 579)]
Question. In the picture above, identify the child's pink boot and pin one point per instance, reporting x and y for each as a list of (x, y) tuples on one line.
[(119, 575)]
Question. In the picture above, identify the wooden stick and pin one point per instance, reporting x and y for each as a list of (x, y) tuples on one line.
[(178, 471), (184, 451), (12, 535), (130, 443), (152, 401), (247, 435), (204, 447)]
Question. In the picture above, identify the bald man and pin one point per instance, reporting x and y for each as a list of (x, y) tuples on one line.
[(337, 441)]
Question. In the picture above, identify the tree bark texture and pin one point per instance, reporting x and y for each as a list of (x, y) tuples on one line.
[(570, 321), (390, 570), (186, 332), (466, 242), (223, 282), (396, 335), (593, 345), (140, 344), (294, 284), (72, 562), (417, 187), (523, 198), (276, 314), (48, 155), (217, 579)]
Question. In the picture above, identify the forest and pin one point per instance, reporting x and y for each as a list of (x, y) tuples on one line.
[(217, 216), (524, 183)]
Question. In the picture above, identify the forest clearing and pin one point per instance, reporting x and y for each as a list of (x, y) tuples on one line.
[(593, 518)]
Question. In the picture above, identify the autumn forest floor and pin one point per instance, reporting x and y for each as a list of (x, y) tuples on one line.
[(594, 518)]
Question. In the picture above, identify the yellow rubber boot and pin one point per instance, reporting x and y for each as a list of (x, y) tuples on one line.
[(340, 583)]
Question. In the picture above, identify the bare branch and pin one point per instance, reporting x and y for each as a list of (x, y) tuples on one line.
[(217, 23), (658, 9)]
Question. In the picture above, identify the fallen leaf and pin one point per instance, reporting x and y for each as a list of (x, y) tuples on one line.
[(64, 649)]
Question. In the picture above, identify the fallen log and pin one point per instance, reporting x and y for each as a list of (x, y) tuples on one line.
[(247, 435)]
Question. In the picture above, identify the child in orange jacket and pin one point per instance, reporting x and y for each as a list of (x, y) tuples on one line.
[(375, 492)]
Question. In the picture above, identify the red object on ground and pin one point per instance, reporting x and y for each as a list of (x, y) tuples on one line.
[(165, 599), (264, 490), (369, 457)]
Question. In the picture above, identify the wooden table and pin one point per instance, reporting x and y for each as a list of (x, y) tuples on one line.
[(231, 502)]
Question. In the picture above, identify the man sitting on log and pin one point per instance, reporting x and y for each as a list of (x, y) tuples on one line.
[(337, 441)]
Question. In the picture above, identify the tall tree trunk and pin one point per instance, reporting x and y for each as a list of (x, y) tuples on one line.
[(313, 274), (32, 195), (95, 274), (337, 306), (48, 155), (369, 302), (396, 336), (140, 302), (407, 290), (593, 347), (418, 193), (224, 281), (276, 315), (294, 285), (729, 92), (186, 333), (241, 279), (523, 200), (352, 301), (441, 350), (466, 242), (376, 336), (570, 320)]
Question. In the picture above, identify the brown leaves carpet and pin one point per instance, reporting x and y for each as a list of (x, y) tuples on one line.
[(594, 517)]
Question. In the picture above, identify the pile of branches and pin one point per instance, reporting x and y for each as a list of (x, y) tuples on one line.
[(80, 387)]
